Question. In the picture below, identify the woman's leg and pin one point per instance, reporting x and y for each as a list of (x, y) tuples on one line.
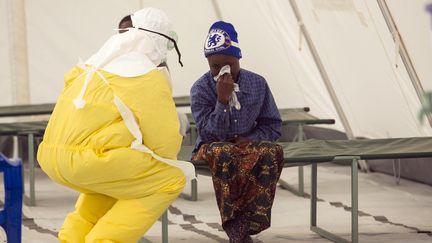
[(245, 182), (238, 230), (230, 173), (264, 175)]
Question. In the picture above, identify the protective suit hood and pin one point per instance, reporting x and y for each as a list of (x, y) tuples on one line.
[(135, 52)]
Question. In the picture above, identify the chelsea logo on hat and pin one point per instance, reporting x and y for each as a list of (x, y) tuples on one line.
[(222, 39), (217, 40)]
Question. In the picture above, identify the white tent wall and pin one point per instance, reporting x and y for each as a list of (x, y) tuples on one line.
[(14, 36), (59, 32), (57, 38), (414, 24), (358, 53), (269, 39), (6, 91)]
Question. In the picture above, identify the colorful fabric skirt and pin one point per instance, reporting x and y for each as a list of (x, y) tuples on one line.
[(244, 181)]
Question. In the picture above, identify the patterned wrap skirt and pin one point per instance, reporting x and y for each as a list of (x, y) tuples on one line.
[(244, 180)]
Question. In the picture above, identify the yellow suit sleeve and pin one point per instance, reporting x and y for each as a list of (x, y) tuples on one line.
[(71, 75), (150, 99)]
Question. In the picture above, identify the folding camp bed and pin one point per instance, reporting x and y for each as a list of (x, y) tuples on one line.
[(300, 118), (182, 101), (292, 116), (30, 130), (314, 151), (46, 109), (26, 110)]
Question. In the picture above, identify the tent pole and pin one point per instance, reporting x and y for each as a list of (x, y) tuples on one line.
[(217, 9), (403, 54), (17, 32), (325, 77)]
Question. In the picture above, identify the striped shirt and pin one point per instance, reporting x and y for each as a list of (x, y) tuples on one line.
[(258, 118)]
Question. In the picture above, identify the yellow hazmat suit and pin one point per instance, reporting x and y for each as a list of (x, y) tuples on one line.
[(114, 137), (122, 189)]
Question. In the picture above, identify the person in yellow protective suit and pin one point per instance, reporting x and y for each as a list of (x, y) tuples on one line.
[(114, 136), (123, 26)]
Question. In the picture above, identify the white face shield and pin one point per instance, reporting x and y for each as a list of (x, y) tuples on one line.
[(157, 23), (140, 49)]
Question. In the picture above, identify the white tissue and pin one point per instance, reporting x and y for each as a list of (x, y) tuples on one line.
[(233, 102)]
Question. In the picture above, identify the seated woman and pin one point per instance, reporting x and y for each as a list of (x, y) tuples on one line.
[(238, 122)]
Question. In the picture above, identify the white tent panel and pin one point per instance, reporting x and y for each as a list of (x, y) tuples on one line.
[(414, 25), (85, 29), (6, 88), (59, 32), (400, 75), (376, 102)]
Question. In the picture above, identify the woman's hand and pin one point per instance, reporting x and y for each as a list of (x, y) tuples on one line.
[(224, 87), (240, 142)]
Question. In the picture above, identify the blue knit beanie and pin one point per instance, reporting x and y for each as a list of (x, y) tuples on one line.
[(222, 39)]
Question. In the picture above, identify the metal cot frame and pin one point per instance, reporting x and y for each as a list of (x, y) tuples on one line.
[(354, 150)]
